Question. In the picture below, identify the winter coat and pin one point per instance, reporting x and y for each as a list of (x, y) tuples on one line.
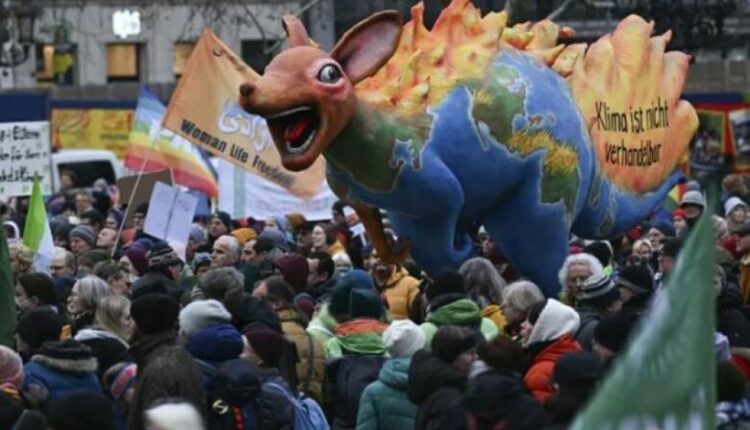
[(437, 389), (384, 404), (462, 312), (399, 292), (590, 318), (538, 378), (732, 317), (360, 336), (165, 370), (345, 380), (61, 368), (211, 347), (81, 321), (322, 325), (494, 314), (497, 400), (309, 351), (275, 411), (107, 348)]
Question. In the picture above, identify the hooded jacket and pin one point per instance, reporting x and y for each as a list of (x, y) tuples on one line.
[(107, 348), (550, 339), (212, 346), (400, 291), (384, 404), (309, 352), (323, 325), (499, 400), (345, 380), (61, 368), (462, 312), (165, 370), (437, 388)]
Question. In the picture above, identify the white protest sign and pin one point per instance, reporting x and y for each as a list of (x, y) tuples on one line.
[(24, 153), (170, 213)]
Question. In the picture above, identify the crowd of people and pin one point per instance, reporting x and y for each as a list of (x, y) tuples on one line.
[(285, 323)]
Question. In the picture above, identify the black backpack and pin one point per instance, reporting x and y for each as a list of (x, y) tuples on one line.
[(231, 400), (344, 381)]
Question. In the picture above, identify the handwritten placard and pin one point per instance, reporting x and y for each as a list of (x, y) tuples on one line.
[(24, 153), (170, 213)]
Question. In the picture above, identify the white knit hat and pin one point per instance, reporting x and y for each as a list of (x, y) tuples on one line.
[(693, 198), (403, 338), (202, 314), (732, 204)]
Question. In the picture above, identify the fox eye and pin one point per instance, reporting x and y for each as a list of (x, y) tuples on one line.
[(329, 74)]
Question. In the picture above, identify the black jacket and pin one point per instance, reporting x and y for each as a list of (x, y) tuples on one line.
[(437, 388), (732, 317), (165, 370), (344, 380), (499, 400)]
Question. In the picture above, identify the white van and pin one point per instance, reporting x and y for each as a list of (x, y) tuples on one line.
[(88, 165)]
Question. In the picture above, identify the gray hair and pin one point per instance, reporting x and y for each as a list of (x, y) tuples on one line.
[(594, 265), (483, 283), (91, 289), (70, 259), (234, 245), (216, 283), (522, 294)]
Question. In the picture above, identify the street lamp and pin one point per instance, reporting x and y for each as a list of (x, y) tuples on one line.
[(16, 33)]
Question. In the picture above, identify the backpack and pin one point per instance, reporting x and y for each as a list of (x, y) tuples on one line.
[(234, 387), (345, 379), (307, 413)]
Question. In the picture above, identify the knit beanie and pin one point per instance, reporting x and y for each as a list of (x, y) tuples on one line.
[(733, 203), (85, 233), (295, 270), (203, 314), (81, 411), (245, 235), (162, 256), (39, 325), (612, 332), (450, 341), (357, 279), (11, 367), (598, 290), (340, 302), (601, 251), (267, 344), (403, 338), (665, 227), (693, 197), (197, 234), (155, 313), (365, 304), (138, 256), (276, 237), (447, 283), (577, 369), (225, 219), (201, 259), (637, 278)]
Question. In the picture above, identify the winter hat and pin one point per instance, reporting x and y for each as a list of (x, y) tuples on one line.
[(162, 256), (202, 314), (295, 270), (665, 227), (119, 378), (201, 259), (62, 287), (245, 235), (679, 213), (225, 219), (39, 325), (365, 304), (403, 338), (577, 369), (267, 344), (276, 237), (138, 256), (81, 411), (11, 367), (693, 197), (447, 283), (598, 290), (216, 343), (141, 209), (601, 251), (85, 233), (197, 234), (637, 279), (612, 332), (357, 279), (450, 341), (732, 204), (154, 313), (62, 232), (70, 349), (692, 186)]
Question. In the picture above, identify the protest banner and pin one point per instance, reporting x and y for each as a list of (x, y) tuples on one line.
[(170, 213), (91, 129), (205, 110), (24, 154), (242, 194), (139, 191)]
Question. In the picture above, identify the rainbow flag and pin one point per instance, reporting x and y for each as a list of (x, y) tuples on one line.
[(162, 149)]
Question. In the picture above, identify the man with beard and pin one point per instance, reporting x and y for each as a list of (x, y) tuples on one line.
[(395, 285)]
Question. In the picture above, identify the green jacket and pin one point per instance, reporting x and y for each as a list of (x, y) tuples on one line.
[(384, 404), (322, 325), (462, 312)]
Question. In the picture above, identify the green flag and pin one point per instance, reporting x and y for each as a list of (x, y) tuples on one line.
[(7, 295), (666, 379)]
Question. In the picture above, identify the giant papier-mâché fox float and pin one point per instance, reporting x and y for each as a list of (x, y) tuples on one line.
[(475, 122)]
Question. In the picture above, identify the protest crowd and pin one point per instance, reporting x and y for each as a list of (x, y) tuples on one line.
[(289, 323)]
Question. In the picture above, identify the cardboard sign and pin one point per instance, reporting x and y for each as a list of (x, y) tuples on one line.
[(24, 153), (170, 214), (143, 193)]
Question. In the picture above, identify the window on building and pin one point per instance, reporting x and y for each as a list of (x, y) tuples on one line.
[(55, 63), (123, 62), (182, 51), (253, 53)]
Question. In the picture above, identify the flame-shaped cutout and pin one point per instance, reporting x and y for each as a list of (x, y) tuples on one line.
[(629, 90)]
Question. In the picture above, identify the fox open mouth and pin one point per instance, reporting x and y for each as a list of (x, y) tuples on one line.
[(296, 128)]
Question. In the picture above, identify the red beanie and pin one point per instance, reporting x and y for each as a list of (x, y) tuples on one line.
[(267, 344), (295, 269)]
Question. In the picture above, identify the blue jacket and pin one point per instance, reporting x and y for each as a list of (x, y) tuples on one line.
[(212, 346), (384, 403)]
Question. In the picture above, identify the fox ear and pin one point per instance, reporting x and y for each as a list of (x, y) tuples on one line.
[(367, 46), (295, 31)]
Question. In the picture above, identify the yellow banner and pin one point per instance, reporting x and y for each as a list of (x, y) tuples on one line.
[(205, 110), (92, 129)]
